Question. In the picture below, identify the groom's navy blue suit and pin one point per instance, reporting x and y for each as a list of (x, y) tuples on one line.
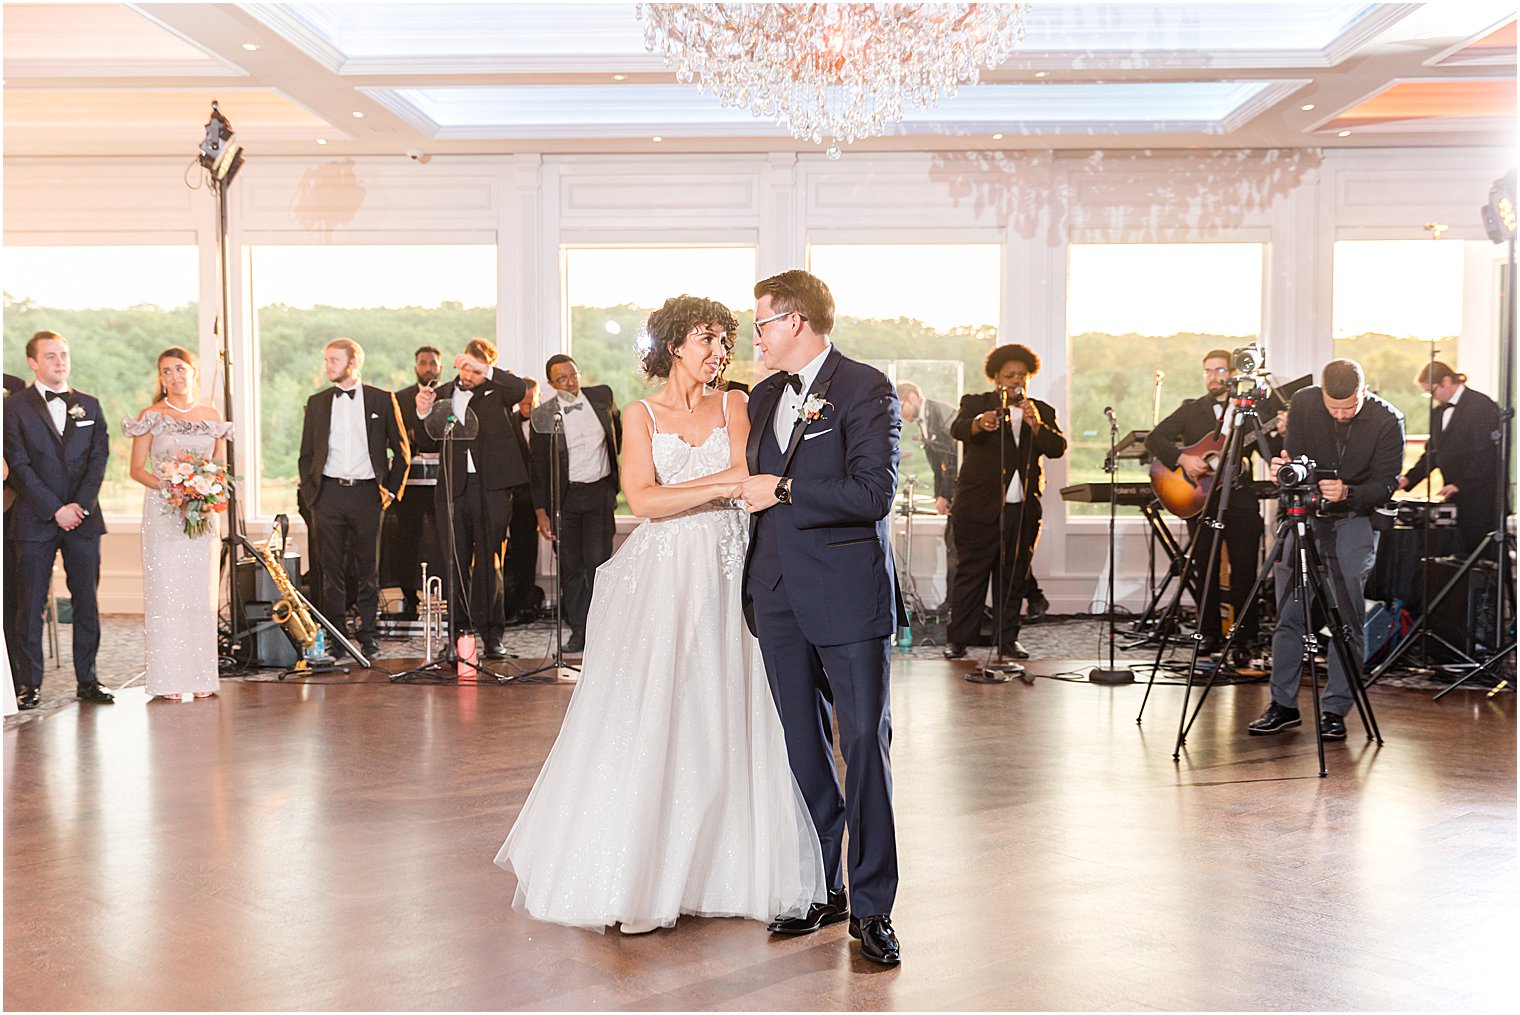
[(820, 593)]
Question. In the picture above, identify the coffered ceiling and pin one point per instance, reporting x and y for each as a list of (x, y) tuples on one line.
[(378, 78)]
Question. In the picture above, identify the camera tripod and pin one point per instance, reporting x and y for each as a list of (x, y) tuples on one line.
[(1310, 577), (1240, 412)]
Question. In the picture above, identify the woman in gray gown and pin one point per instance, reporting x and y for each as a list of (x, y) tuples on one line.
[(179, 572)]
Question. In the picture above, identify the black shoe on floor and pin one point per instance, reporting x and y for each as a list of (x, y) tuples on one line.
[(1015, 651), (370, 647), (95, 694), (954, 650), (496, 649), (577, 642), (878, 941), (1210, 645), (1332, 726), (1037, 607), (819, 914), (28, 698), (1274, 720)]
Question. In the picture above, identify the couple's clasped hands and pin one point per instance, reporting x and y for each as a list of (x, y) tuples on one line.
[(757, 492)]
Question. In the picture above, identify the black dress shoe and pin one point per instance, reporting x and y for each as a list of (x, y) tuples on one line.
[(1332, 726), (28, 698), (954, 650), (878, 941), (370, 647), (577, 642), (95, 694), (496, 649), (1274, 720), (819, 914), (1015, 651), (1210, 644), (1037, 607)]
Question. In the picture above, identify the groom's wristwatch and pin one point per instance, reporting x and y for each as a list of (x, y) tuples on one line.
[(784, 490)]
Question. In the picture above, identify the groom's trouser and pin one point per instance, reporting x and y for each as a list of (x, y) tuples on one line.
[(811, 685), (81, 566)]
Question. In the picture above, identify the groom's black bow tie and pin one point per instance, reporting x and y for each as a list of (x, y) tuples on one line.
[(55, 396), (349, 392), (794, 381)]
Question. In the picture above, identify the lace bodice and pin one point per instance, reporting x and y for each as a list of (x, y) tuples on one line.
[(676, 461), (171, 436)]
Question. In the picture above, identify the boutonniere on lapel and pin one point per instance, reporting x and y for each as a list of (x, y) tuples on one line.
[(812, 410), (76, 411)]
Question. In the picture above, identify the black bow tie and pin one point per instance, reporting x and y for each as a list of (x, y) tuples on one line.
[(53, 396), (571, 406), (346, 392), (1442, 409), (794, 381)]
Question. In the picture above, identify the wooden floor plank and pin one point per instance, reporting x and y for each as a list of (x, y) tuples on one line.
[(329, 846)]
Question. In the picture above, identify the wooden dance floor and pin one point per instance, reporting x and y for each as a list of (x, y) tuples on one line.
[(329, 847)]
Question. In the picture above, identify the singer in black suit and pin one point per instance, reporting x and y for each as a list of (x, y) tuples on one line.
[(520, 573), (56, 446), (415, 510), (482, 474), (353, 464), (587, 478), (1018, 436), (1191, 422), (1463, 428)]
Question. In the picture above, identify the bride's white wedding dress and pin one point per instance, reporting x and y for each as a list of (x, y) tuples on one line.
[(668, 790)]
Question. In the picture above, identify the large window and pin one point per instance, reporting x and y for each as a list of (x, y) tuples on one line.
[(389, 299), (611, 291), (118, 307), (926, 313), (1135, 309)]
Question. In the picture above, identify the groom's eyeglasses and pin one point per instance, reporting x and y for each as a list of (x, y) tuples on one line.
[(768, 320)]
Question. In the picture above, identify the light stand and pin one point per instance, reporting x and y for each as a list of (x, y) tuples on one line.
[(550, 418), (1113, 675), (222, 156)]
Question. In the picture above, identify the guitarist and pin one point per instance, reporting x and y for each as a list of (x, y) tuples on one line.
[(1191, 422)]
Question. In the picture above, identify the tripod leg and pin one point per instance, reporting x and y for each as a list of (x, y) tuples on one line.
[(1216, 530), (1167, 619), (1303, 588), (1326, 585)]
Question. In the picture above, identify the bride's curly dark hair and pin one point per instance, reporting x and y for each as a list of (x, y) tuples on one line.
[(669, 326)]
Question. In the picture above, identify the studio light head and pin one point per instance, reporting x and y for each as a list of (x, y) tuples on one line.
[(1499, 212), (221, 155)]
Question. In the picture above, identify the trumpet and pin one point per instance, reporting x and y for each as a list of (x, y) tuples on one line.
[(434, 622)]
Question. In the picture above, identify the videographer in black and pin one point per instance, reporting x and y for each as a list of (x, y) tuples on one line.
[(1191, 422), (1463, 423), (1355, 442)]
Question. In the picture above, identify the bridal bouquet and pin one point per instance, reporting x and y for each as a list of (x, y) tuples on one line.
[(193, 487)]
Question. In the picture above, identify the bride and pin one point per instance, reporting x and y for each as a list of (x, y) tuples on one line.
[(668, 790)]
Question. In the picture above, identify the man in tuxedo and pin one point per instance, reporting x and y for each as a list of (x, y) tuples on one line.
[(930, 427), (56, 446), (520, 573), (353, 464), (481, 473), (415, 511), (15, 616), (585, 474), (1194, 420), (1463, 432), (820, 592), (1005, 434)]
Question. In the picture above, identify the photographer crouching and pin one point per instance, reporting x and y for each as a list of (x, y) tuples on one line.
[(1343, 451)]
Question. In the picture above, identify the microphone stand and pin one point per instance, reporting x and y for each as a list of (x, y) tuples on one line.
[(1113, 675), (556, 434), (1001, 671)]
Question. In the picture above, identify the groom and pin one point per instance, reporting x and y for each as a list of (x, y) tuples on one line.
[(820, 592)]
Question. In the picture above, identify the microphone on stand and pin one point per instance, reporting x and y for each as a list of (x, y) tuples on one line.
[(1108, 410)]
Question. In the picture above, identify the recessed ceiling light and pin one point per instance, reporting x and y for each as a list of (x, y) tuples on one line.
[(657, 139), (1344, 133), (1041, 73), (321, 140), (1307, 106), (620, 77), (997, 137), (252, 47), (358, 115)]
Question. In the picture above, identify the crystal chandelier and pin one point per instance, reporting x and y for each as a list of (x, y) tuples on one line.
[(836, 71)]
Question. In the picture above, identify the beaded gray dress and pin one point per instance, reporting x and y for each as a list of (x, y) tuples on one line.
[(179, 573), (668, 790)]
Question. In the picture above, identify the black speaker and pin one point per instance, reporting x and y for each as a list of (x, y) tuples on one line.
[(1465, 618), (258, 593)]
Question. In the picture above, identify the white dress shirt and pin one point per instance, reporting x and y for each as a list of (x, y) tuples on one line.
[(55, 406), (585, 440), (790, 402), (1015, 493), (348, 438), (1456, 396), (461, 403)]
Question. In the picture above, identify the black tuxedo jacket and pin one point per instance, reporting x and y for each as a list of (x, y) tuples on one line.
[(981, 487), (600, 397), (416, 433), (1464, 450), (939, 446), (50, 470), (499, 462), (383, 429)]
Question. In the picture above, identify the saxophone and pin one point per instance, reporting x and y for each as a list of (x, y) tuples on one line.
[(290, 612)]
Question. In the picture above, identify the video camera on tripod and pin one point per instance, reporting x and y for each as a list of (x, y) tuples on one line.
[(1249, 365)]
